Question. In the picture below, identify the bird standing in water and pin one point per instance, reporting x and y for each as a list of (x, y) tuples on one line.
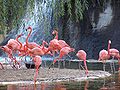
[(81, 54)]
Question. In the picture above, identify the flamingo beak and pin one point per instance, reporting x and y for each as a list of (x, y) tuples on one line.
[(77, 54), (110, 41)]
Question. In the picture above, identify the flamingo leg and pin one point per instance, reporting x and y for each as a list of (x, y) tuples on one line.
[(79, 65), (36, 74), (111, 67), (45, 63), (58, 64), (104, 66), (64, 63), (114, 67), (86, 67), (53, 63), (2, 65), (70, 59)]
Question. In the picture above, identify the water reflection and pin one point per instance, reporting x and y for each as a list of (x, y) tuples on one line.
[(111, 83), (11, 87)]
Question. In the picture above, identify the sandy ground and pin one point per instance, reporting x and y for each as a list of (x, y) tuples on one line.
[(23, 74)]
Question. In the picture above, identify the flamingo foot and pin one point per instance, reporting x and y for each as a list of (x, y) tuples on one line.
[(35, 85)]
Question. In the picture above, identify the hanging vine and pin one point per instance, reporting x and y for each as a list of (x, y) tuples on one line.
[(11, 11)]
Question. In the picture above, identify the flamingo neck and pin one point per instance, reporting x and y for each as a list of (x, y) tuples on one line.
[(28, 37), (108, 48), (19, 41), (43, 44), (56, 35)]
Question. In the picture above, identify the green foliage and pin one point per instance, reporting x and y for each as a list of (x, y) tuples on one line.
[(73, 8), (10, 13)]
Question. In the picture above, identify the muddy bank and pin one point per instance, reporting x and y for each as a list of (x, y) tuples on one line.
[(48, 75)]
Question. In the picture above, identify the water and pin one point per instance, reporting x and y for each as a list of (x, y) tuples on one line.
[(105, 17), (39, 19), (110, 83)]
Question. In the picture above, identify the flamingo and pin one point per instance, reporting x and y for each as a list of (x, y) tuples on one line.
[(64, 51), (81, 54), (8, 51), (38, 61), (55, 32), (30, 45), (55, 45), (61, 42), (104, 55), (39, 51), (13, 44), (45, 48), (112, 51), (35, 51)]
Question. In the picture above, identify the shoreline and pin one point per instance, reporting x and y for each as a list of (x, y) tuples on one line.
[(26, 76)]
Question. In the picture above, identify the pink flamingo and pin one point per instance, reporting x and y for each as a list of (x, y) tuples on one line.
[(55, 32), (64, 51), (13, 44), (45, 48), (112, 51), (30, 45), (55, 45), (8, 51), (61, 42), (35, 51), (38, 51), (38, 61), (81, 54), (104, 55)]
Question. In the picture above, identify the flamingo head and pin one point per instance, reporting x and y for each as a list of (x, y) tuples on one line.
[(29, 28), (2, 47), (77, 54), (109, 41), (45, 42), (55, 31), (72, 49), (20, 35)]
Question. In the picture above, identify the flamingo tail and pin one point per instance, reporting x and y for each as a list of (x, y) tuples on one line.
[(36, 74)]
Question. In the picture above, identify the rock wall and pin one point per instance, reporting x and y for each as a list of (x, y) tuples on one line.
[(93, 32)]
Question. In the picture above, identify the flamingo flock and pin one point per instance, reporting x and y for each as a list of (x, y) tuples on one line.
[(36, 51)]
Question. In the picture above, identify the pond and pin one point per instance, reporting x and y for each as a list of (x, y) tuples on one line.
[(109, 83)]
